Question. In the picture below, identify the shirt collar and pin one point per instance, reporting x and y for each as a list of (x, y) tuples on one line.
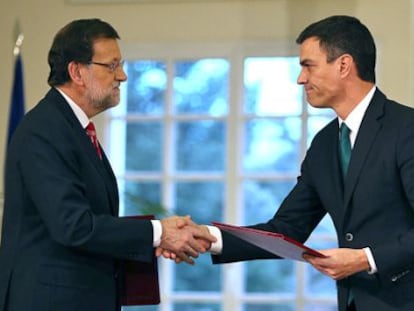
[(79, 113), (354, 119)]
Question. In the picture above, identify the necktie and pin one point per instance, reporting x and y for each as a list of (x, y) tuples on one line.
[(345, 156), (344, 147), (91, 132)]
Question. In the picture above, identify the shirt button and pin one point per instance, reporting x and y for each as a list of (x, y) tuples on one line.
[(349, 237)]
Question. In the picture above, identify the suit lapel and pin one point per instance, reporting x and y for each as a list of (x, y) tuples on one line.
[(104, 169), (367, 135), (111, 184), (337, 180), (335, 165), (102, 166)]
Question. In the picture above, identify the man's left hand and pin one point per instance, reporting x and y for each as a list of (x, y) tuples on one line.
[(339, 263)]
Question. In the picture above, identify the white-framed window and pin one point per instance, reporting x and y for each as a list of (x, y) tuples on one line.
[(218, 132)]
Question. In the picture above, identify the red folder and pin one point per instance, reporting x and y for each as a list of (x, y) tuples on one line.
[(275, 243), (140, 280)]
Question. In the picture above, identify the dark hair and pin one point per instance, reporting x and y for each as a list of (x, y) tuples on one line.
[(340, 35), (74, 42)]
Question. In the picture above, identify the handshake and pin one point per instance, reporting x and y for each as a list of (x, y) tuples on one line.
[(182, 239)]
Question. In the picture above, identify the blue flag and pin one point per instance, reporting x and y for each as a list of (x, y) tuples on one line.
[(17, 100)]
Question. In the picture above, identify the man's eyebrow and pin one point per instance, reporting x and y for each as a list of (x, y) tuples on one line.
[(305, 61)]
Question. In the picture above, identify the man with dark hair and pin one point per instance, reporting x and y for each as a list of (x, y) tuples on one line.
[(62, 239), (359, 169), (70, 46), (340, 35)]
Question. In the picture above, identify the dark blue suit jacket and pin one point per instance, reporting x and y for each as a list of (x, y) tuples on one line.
[(373, 207), (61, 237)]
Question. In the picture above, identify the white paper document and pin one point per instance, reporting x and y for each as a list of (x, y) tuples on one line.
[(275, 243)]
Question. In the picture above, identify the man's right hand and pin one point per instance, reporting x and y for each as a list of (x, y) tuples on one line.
[(183, 239)]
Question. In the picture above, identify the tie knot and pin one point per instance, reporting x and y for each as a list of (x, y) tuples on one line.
[(91, 127), (91, 131), (344, 130)]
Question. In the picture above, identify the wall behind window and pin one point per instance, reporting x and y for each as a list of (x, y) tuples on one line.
[(202, 21)]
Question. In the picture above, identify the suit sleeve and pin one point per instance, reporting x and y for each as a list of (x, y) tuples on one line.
[(297, 216), (397, 255)]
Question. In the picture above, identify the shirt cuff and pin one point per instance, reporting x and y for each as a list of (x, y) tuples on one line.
[(216, 247), (156, 232), (373, 267)]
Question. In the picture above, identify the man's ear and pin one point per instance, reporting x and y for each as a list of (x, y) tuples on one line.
[(346, 62), (76, 72)]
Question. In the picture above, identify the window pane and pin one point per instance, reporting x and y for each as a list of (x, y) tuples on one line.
[(321, 307), (147, 82), (270, 276), (270, 86), (200, 146), (202, 277), (184, 97), (144, 146), (262, 199), (315, 124), (142, 198), (269, 307), (201, 87), (203, 201), (318, 284), (196, 307), (261, 202), (325, 227), (320, 111), (272, 145)]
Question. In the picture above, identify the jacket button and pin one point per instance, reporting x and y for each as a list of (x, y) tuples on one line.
[(349, 237)]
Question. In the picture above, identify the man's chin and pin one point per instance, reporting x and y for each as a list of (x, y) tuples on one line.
[(312, 103), (115, 102), (315, 104), (107, 104), (112, 104)]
